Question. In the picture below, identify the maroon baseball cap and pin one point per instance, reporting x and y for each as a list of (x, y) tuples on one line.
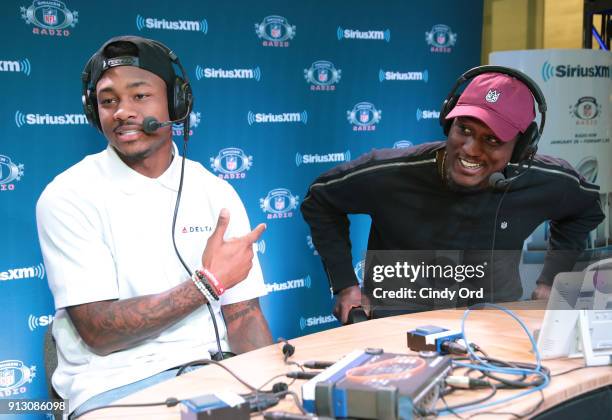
[(500, 101)]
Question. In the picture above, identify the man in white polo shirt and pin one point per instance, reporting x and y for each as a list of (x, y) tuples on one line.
[(127, 311)]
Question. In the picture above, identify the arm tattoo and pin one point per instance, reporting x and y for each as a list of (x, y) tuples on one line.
[(238, 310), (247, 328), (109, 326)]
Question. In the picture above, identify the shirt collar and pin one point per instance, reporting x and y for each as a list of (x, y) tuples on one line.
[(131, 182)]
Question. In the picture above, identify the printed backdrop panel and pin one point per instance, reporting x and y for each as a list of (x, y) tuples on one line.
[(283, 91)]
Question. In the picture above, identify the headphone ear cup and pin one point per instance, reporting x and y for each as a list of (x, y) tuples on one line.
[(90, 107), (526, 144), (447, 107), (181, 101)]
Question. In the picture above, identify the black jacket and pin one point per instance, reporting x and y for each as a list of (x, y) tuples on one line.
[(413, 209)]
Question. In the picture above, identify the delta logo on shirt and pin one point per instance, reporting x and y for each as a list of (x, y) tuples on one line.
[(196, 229)]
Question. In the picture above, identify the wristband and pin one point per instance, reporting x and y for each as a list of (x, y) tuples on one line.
[(212, 280)]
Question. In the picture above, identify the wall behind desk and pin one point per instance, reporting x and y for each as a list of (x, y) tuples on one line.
[(283, 91)]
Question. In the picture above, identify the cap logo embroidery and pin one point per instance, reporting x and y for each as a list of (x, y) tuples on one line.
[(492, 96), (120, 61)]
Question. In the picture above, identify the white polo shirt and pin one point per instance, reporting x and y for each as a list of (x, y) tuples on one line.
[(105, 233)]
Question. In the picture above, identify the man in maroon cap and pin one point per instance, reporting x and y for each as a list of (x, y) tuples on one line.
[(437, 196)]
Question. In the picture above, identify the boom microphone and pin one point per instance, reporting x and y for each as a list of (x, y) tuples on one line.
[(150, 124), (498, 181)]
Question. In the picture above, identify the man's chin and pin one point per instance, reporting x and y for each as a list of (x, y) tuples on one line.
[(135, 155)]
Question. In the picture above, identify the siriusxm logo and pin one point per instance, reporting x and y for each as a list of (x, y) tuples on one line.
[(364, 116), (384, 35), (231, 163), (289, 285), (426, 115), (9, 172), (326, 158), (49, 17), (311, 245), (195, 118), (400, 144), (441, 38), (39, 321), (421, 76), (210, 73), (313, 321), (286, 117), (260, 246), (275, 31), (358, 269), (14, 375), (172, 25), (549, 71), (23, 273), (22, 119), (322, 75), (279, 203), (21, 66)]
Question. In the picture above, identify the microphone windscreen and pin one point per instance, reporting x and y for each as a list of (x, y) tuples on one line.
[(150, 124), (495, 178)]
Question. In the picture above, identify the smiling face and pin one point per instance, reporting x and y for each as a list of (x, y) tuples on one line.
[(473, 153), (126, 95)]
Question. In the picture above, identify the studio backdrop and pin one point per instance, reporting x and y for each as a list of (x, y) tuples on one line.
[(283, 91)]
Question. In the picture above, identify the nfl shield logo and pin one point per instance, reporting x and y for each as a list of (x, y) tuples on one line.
[(279, 203), (364, 116), (441, 38), (231, 162), (7, 377), (587, 111), (50, 16), (323, 75), (275, 31)]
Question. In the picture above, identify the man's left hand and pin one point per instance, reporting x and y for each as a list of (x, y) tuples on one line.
[(542, 291)]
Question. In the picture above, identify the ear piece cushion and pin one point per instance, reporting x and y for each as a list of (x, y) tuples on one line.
[(448, 105), (526, 144), (181, 100)]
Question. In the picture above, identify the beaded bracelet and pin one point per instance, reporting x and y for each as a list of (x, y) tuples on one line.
[(196, 280), (204, 280)]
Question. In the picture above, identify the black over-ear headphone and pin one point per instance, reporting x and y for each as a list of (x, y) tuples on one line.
[(527, 142), (180, 96)]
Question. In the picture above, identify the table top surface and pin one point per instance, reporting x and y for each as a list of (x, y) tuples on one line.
[(493, 330)]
